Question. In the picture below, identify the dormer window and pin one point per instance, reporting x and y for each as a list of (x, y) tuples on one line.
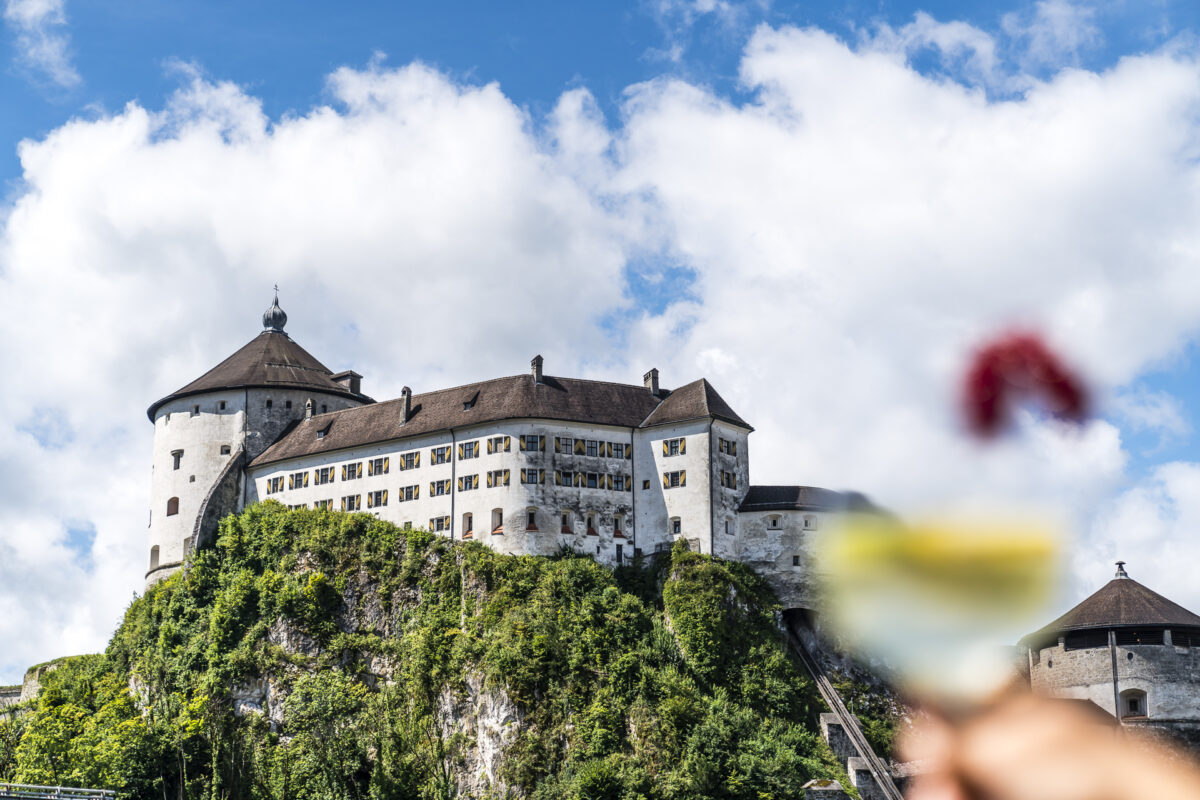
[(469, 403), (775, 521), (222, 405)]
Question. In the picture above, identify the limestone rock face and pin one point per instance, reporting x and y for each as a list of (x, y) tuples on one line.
[(485, 720)]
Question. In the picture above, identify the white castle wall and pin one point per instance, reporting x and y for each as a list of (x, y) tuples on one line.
[(200, 427), (725, 500), (657, 506)]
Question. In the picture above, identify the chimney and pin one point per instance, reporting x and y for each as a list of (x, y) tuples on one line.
[(536, 366), (308, 408), (350, 380), (406, 396), (650, 379)]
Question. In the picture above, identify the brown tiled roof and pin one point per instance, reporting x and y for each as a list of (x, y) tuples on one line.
[(1120, 603), (696, 400), (516, 397), (269, 360), (792, 498)]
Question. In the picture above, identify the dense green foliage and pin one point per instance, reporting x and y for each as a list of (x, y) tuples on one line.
[(666, 681)]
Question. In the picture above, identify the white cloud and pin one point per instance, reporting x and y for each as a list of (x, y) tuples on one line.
[(42, 42), (1153, 412), (1052, 33), (852, 233)]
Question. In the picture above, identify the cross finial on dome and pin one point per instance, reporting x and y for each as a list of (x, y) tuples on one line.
[(1121, 573), (273, 318)]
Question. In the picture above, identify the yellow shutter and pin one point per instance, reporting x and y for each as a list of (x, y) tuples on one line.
[(522, 476), (629, 483), (542, 444), (541, 476), (666, 448), (683, 477), (358, 472), (507, 444), (460, 452), (489, 447), (666, 481), (579, 478), (460, 484), (291, 481), (608, 480), (489, 484), (417, 492), (417, 459), (608, 449), (629, 451), (506, 477), (432, 490), (521, 444), (580, 447), (370, 468), (557, 478), (557, 444), (387, 465), (474, 481), (682, 446), (343, 477), (369, 498)]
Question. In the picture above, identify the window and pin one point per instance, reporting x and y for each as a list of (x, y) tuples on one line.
[(297, 507), (497, 520), (795, 561), (321, 433), (225, 450), (593, 480), (222, 405), (324, 408), (468, 450), (287, 404), (674, 480), (351, 472), (378, 466), (268, 402), (593, 448), (377, 498), (324, 503), (564, 478), (729, 527), (566, 522), (618, 449), (645, 484), (1133, 703), (533, 475), (439, 524), (532, 443), (500, 477), (274, 485), (531, 519), (407, 493), (810, 522), (154, 557), (177, 458), (617, 525), (468, 482), (438, 455), (439, 488), (469, 403), (195, 411), (728, 480), (674, 447), (172, 506), (352, 502), (298, 480), (619, 482), (620, 554), (676, 526), (191, 478), (727, 446), (413, 460), (564, 444), (324, 475), (499, 444), (407, 525), (468, 524), (591, 525)]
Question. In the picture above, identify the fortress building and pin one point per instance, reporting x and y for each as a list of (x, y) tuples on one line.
[(1128, 650), (527, 464)]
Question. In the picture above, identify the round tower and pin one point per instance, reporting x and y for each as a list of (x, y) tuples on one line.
[(1130, 651), (208, 431)]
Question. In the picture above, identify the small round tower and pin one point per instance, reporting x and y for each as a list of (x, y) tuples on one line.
[(208, 431), (1129, 650)]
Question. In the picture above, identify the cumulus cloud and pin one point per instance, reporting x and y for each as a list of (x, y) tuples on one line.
[(41, 40), (828, 253)]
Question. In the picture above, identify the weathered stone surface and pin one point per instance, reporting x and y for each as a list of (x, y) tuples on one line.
[(863, 780), (824, 790), (488, 720)]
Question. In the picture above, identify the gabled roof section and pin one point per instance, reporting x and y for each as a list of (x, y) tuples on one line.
[(696, 400), (801, 498), (516, 397), (1120, 603), (269, 360)]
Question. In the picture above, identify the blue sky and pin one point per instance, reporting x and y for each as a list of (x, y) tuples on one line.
[(821, 207)]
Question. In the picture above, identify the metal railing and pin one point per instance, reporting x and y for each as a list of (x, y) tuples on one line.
[(28, 792)]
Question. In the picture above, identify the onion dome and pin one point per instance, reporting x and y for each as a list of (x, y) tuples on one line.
[(273, 318)]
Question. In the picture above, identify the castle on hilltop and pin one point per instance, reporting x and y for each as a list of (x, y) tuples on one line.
[(526, 464)]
